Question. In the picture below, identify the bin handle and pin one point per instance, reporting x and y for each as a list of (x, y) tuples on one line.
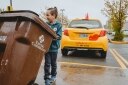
[(23, 40)]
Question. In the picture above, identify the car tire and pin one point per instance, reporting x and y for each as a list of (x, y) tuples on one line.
[(64, 52), (103, 54)]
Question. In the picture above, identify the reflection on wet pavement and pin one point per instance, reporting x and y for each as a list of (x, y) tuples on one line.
[(75, 74)]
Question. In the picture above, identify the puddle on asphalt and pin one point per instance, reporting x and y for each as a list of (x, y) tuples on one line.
[(75, 74), (92, 75)]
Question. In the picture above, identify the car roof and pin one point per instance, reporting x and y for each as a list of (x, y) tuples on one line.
[(85, 19)]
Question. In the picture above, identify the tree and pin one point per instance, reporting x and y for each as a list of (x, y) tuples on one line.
[(1, 10), (63, 19), (116, 11)]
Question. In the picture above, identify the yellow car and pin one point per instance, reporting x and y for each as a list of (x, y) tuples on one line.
[(84, 34)]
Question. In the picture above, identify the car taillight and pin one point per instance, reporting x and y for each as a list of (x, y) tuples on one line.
[(93, 37), (102, 33), (96, 36), (66, 32)]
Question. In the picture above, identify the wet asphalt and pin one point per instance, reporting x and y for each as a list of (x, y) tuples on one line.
[(85, 68)]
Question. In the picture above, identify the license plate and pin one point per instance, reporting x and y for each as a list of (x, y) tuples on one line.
[(83, 35), (82, 44)]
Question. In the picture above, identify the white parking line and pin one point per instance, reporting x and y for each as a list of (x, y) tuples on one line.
[(70, 63), (118, 59), (122, 58), (121, 61)]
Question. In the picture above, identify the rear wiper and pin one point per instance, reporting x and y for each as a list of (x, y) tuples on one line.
[(82, 27)]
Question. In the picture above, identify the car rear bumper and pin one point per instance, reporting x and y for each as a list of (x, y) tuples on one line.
[(83, 45), (81, 48)]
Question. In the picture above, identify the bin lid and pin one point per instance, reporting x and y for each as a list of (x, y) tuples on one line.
[(27, 15)]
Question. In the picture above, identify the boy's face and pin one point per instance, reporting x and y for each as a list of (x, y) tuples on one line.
[(50, 17)]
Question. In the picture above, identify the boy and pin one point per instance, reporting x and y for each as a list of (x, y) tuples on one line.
[(50, 65)]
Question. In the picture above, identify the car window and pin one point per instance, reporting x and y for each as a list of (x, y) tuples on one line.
[(85, 24)]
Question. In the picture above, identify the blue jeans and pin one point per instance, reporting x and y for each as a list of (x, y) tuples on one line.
[(50, 65)]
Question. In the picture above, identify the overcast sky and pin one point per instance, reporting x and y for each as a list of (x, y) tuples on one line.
[(73, 8)]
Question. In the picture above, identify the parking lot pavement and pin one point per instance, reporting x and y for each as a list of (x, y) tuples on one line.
[(82, 74)]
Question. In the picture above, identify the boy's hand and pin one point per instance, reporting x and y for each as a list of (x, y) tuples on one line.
[(57, 38)]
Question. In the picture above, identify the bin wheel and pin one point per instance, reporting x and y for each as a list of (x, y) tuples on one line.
[(103, 54), (35, 84), (32, 82), (64, 52)]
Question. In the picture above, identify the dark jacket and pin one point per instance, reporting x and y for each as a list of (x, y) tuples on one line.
[(57, 27)]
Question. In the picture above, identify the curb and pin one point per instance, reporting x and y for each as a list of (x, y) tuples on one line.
[(118, 42)]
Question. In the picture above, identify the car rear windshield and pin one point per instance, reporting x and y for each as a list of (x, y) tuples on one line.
[(85, 24)]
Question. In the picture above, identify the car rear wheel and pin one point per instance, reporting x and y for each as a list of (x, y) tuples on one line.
[(64, 52), (103, 54)]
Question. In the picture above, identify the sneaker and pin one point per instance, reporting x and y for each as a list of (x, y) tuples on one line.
[(35, 84), (52, 79), (47, 82)]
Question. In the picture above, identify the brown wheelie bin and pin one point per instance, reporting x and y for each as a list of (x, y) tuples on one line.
[(24, 39)]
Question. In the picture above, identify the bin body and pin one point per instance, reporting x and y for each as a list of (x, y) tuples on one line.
[(24, 39)]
